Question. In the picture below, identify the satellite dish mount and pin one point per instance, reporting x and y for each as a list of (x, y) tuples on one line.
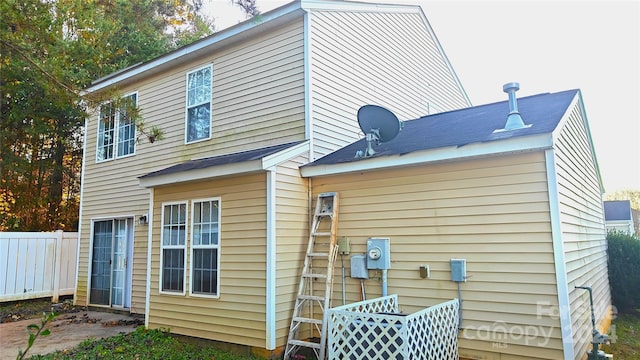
[(379, 125)]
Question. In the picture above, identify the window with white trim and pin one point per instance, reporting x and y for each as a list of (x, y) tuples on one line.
[(116, 130), (198, 117), (205, 242), (173, 248)]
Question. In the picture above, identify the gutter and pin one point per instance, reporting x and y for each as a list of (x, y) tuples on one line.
[(494, 148)]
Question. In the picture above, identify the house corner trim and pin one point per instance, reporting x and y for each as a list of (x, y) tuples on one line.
[(147, 298), (270, 311), (558, 257)]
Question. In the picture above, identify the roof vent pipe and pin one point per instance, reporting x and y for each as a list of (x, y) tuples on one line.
[(514, 120)]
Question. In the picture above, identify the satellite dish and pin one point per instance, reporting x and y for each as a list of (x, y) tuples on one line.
[(379, 125)]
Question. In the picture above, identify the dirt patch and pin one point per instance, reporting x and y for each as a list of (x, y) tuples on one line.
[(68, 329), (33, 309)]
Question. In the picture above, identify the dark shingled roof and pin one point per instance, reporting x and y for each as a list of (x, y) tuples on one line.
[(617, 210), (238, 157), (466, 126)]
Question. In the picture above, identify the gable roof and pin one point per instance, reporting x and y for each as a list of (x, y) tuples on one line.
[(460, 132), (246, 29), (617, 210), (222, 165)]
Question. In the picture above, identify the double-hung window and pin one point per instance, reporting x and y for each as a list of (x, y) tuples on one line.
[(205, 241), (198, 117), (116, 130), (173, 248)]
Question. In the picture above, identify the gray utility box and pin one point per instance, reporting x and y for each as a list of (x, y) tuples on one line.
[(359, 266), (378, 254), (459, 270)]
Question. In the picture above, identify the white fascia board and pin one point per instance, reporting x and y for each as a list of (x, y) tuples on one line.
[(201, 174), (281, 156), (563, 120), (513, 145), (189, 49), (562, 285), (244, 167), (310, 5)]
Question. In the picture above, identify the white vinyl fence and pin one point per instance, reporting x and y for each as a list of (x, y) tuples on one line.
[(36, 265), (374, 330)]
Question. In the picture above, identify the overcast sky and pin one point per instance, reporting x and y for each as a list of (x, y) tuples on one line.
[(546, 46)]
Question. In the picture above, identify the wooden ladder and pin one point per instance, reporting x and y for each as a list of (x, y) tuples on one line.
[(308, 325)]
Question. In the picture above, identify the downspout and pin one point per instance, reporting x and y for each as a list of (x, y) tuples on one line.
[(270, 336), (564, 303), (149, 248), (80, 208)]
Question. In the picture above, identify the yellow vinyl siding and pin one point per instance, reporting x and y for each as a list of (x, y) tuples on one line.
[(388, 59), (493, 212), (258, 100), (292, 234), (583, 229), (238, 315)]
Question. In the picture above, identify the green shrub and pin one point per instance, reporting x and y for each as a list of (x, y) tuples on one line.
[(624, 270)]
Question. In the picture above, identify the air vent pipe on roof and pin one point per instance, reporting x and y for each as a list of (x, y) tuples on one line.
[(514, 120)]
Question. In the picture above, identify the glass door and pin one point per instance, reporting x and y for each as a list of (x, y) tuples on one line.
[(110, 273), (101, 262), (119, 269)]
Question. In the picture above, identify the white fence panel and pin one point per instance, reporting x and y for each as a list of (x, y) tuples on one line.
[(36, 265), (373, 330)]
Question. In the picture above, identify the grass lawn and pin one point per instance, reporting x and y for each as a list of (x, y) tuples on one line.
[(140, 344), (158, 344), (625, 338)]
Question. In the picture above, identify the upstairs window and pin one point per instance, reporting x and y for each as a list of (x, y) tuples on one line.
[(116, 130), (198, 118)]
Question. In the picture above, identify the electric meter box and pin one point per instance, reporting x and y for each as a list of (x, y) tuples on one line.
[(378, 254)]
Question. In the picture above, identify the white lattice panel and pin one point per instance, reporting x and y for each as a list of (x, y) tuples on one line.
[(373, 330)]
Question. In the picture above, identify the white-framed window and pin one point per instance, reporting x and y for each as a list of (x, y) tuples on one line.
[(116, 130), (198, 112), (205, 247), (173, 248)]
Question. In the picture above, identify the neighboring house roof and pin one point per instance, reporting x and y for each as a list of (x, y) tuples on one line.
[(461, 129), (222, 165), (617, 210)]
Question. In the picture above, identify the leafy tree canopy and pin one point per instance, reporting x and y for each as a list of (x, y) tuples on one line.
[(49, 51)]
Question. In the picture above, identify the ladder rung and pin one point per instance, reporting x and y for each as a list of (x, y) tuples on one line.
[(311, 297), (308, 344), (315, 276), (324, 214), (307, 320), (315, 254), (328, 233)]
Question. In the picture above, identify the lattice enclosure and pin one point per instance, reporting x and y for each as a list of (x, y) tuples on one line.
[(373, 329)]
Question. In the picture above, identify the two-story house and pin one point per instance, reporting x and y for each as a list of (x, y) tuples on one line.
[(204, 231)]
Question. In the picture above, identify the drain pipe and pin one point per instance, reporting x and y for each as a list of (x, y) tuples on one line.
[(384, 282)]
